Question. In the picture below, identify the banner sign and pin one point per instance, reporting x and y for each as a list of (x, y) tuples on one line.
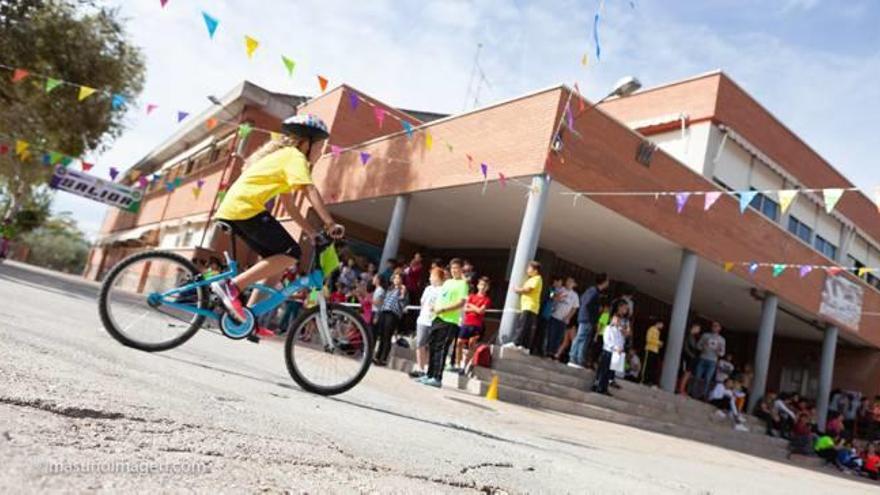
[(842, 301), (91, 187)]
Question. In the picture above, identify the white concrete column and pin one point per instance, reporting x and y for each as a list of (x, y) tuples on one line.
[(826, 375), (684, 286), (395, 230), (526, 246), (764, 347)]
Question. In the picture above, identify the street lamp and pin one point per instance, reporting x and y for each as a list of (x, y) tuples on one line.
[(624, 87)]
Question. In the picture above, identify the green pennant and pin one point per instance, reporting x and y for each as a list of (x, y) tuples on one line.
[(244, 130), (52, 84), (290, 64), (66, 160), (55, 157)]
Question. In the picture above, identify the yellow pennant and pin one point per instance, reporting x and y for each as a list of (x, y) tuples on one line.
[(786, 197), (584, 60), (250, 45), (863, 270), (429, 141), (85, 92), (728, 266), (21, 147), (275, 136), (196, 192)]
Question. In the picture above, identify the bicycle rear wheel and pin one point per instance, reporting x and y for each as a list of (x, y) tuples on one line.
[(328, 369), (131, 310)]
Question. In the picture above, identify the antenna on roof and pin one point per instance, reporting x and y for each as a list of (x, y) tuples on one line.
[(472, 90)]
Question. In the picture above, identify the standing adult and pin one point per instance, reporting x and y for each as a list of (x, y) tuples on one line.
[(612, 344), (653, 344), (566, 305), (690, 358), (413, 275), (588, 315), (529, 306), (712, 346)]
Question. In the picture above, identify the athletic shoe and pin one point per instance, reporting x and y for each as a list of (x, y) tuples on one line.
[(229, 296), (575, 365), (432, 382), (264, 332), (416, 374), (509, 345), (422, 379)]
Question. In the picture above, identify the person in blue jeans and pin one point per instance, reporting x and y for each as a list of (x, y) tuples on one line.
[(712, 346), (588, 314)]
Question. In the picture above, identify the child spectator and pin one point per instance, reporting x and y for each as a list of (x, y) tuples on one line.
[(453, 295), (725, 368), (368, 275), (848, 459), (825, 448), (389, 318), (425, 320), (612, 343), (653, 344), (871, 462), (338, 295), (348, 276), (363, 297), (834, 426), (378, 300), (801, 441), (529, 305), (633, 365), (564, 308), (472, 325)]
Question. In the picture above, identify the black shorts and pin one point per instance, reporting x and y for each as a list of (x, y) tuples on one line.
[(265, 235)]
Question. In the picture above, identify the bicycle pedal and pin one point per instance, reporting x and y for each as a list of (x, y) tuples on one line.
[(253, 338)]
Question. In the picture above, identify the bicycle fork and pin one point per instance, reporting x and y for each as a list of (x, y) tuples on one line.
[(323, 327)]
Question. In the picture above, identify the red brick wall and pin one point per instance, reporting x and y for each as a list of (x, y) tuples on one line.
[(695, 97)]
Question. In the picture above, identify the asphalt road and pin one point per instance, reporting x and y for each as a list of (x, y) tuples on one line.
[(79, 412)]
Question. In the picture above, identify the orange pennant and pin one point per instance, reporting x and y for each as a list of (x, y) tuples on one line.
[(322, 81), (211, 123), (19, 75), (728, 266)]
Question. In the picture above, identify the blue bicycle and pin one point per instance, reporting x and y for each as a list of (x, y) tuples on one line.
[(157, 300)]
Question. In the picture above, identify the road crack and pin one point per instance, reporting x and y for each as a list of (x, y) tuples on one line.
[(68, 411), (485, 465)]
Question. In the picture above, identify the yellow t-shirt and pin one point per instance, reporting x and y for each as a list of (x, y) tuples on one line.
[(276, 173), (652, 340), (531, 300)]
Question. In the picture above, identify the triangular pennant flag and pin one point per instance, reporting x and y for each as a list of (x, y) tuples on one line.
[(831, 196), (200, 183), (113, 173), (354, 100), (449, 147), (117, 101), (275, 136), (863, 270), (47, 160), (86, 166), (177, 182), (133, 176), (429, 141), (52, 84), (289, 64), (335, 150), (4, 148), (181, 115), (569, 116), (805, 270), (581, 105), (55, 157), (681, 199), (322, 83), (151, 107), (169, 186), (21, 147), (745, 199), (244, 130), (66, 160), (143, 182), (833, 270), (211, 23), (196, 191), (19, 75), (711, 198), (470, 160), (250, 45), (379, 113), (584, 60), (503, 179), (25, 156), (728, 266), (163, 3), (753, 267), (365, 157), (408, 128), (778, 269), (485, 169), (786, 197), (211, 123), (85, 92)]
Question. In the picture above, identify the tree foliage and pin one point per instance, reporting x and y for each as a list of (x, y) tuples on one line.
[(74, 40), (58, 244)]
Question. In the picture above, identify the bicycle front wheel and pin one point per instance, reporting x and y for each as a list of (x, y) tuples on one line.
[(133, 310), (328, 368)]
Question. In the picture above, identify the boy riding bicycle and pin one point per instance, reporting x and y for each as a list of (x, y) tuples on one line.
[(278, 168)]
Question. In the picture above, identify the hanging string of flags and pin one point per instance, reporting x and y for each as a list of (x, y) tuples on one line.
[(803, 270)]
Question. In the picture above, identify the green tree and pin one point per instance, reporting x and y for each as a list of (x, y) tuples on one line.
[(73, 40), (57, 244)]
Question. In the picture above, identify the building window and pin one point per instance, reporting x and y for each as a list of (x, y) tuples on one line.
[(801, 230), (825, 247), (874, 281), (855, 264), (766, 206)]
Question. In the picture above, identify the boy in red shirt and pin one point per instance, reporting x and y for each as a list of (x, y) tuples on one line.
[(472, 324)]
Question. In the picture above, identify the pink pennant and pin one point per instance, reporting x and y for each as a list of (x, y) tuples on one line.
[(503, 179), (365, 157), (143, 182), (163, 3), (335, 150), (151, 107), (834, 270), (681, 199), (86, 166), (379, 113), (470, 161), (711, 198)]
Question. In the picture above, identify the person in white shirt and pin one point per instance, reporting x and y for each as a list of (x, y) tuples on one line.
[(612, 345), (425, 320), (566, 305)]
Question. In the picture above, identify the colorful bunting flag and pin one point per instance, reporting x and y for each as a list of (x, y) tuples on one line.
[(4, 148), (250, 45), (196, 191), (244, 130), (745, 199), (408, 128), (680, 200), (322, 83), (581, 105), (143, 182), (21, 147), (379, 113), (831, 196), (753, 267), (354, 100), (200, 183), (470, 160), (211, 23), (163, 3), (275, 136), (113, 173), (85, 92), (449, 147), (429, 141), (596, 36), (177, 182), (181, 115), (485, 169), (728, 266), (117, 101), (47, 160), (66, 160), (19, 75), (169, 186), (833, 270), (289, 64), (805, 270), (52, 84), (711, 198), (778, 269), (335, 150), (365, 157), (864, 270), (786, 197), (211, 123), (503, 179), (585, 59), (86, 166), (151, 107), (55, 157)]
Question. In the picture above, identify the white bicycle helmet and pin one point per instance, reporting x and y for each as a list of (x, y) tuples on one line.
[(308, 126)]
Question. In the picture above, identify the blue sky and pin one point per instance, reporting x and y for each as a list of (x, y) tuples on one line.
[(815, 64)]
